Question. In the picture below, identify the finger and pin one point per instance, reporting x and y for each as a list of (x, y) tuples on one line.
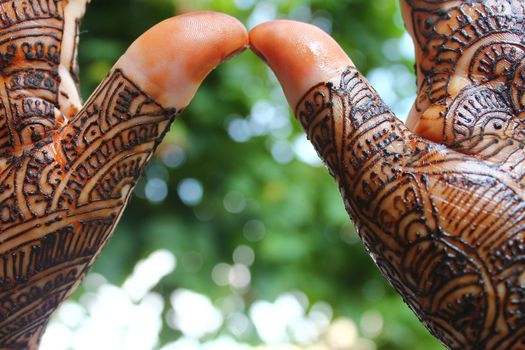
[(366, 148), (408, 198), (126, 118), (38, 85), (467, 53), (344, 117), (198, 43), (60, 202)]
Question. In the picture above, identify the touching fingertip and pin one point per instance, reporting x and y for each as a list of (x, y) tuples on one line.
[(300, 54), (176, 55)]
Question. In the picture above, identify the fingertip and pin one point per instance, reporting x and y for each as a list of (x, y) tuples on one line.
[(172, 59), (300, 54)]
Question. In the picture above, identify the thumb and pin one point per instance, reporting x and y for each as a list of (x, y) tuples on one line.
[(131, 110), (404, 193), (350, 126), (61, 200), (172, 59)]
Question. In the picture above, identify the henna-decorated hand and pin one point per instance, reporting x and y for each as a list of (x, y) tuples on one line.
[(442, 213), (66, 171)]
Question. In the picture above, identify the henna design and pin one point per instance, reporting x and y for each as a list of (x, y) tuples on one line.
[(32, 101), (66, 173), (445, 225), (446, 229), (60, 202), (470, 70)]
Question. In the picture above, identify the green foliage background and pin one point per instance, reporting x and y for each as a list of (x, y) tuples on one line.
[(309, 243)]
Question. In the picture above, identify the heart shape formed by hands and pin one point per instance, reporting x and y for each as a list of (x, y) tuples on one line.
[(440, 208)]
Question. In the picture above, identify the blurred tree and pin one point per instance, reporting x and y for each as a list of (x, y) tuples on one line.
[(236, 180)]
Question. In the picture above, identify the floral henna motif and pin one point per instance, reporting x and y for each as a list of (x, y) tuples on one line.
[(471, 57), (446, 229), (60, 202)]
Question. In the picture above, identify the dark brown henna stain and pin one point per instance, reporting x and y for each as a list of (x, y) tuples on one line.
[(446, 229), (60, 202), (31, 35), (470, 70)]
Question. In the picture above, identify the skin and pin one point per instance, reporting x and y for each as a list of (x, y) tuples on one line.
[(67, 169), (439, 204), (440, 207)]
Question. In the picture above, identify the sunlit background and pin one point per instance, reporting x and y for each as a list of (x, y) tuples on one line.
[(236, 237)]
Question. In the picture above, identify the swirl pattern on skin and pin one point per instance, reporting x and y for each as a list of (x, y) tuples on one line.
[(37, 70), (444, 221), (67, 172), (446, 229), (67, 194), (470, 74)]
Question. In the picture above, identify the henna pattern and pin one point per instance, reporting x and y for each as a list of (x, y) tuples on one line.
[(471, 74), (446, 226), (444, 223), (60, 202), (66, 172), (31, 97), (446, 229), (65, 177)]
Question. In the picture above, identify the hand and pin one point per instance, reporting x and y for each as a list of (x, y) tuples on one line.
[(66, 171), (440, 208)]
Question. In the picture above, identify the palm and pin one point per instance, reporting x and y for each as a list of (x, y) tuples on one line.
[(66, 172), (443, 213)]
